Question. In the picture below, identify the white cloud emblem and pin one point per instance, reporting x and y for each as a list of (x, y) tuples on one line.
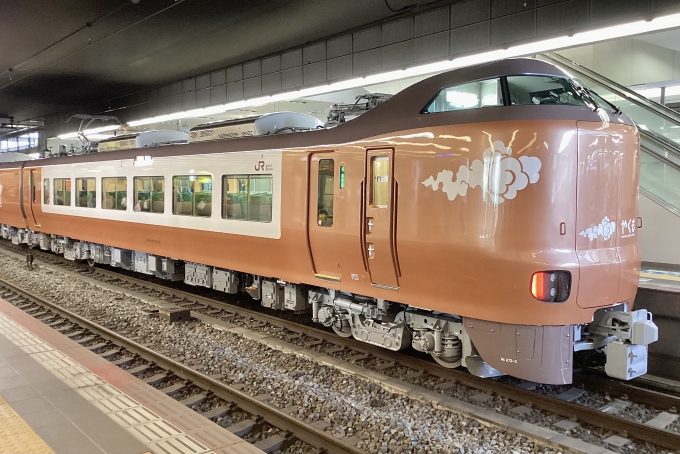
[(499, 175), (605, 229)]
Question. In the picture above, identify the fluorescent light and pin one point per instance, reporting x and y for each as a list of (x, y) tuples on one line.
[(672, 91), (73, 135), (649, 92), (578, 39), (142, 161), (99, 136)]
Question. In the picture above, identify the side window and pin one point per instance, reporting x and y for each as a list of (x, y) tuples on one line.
[(86, 195), (149, 194), (114, 193), (325, 193), (46, 191), (472, 95), (247, 197), (62, 191), (527, 90), (380, 190), (192, 195)]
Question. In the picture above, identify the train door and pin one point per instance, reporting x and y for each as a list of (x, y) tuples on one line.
[(379, 218), (597, 216), (28, 195), (34, 186), (322, 230)]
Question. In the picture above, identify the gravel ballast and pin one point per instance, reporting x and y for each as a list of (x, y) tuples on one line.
[(353, 407)]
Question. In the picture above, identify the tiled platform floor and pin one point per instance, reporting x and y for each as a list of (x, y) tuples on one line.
[(77, 402)]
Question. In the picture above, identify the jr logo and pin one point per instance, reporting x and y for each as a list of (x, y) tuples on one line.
[(260, 165)]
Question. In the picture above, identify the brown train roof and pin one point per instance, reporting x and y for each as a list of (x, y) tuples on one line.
[(400, 112)]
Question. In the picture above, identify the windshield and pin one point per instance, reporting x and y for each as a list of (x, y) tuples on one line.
[(537, 90)]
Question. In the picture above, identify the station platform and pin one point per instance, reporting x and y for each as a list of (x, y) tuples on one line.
[(660, 280), (659, 293), (58, 397)]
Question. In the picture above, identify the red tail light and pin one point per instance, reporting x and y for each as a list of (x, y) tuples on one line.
[(551, 286)]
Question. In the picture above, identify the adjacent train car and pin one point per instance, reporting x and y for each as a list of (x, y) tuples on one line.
[(486, 216)]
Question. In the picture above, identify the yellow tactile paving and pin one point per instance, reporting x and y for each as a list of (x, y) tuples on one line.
[(665, 275), (17, 437)]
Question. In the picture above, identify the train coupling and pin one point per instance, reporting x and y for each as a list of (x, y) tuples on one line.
[(624, 336)]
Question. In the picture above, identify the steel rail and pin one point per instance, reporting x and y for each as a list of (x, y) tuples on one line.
[(298, 428), (586, 415), (602, 383), (659, 437)]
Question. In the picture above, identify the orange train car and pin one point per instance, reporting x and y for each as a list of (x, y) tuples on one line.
[(486, 216)]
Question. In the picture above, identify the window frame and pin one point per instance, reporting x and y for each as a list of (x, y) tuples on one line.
[(372, 200), (503, 103), (47, 193), (115, 194), (151, 179), (570, 81), (86, 191), (193, 195), (55, 192), (321, 194), (504, 90), (241, 176)]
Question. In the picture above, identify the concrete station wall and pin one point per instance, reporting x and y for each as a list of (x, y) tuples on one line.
[(462, 28), (659, 234)]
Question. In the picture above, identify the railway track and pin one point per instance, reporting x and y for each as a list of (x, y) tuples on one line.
[(409, 370), (292, 427)]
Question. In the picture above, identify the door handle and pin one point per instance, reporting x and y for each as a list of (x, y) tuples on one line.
[(370, 225), (371, 250)]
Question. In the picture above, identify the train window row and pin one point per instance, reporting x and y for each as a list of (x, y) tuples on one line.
[(519, 90), (244, 197)]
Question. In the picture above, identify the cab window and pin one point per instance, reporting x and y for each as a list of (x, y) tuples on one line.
[(149, 194), (62, 191), (247, 197), (86, 195), (541, 90), (471, 95), (192, 195), (114, 193)]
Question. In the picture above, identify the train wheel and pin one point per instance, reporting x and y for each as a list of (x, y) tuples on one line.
[(445, 362), (342, 328), (90, 263)]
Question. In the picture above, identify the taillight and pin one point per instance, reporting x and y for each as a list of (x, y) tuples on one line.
[(551, 286)]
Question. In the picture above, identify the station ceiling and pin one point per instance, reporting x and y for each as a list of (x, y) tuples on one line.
[(57, 56)]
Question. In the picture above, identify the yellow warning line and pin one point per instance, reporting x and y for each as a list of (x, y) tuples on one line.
[(666, 277), (16, 436)]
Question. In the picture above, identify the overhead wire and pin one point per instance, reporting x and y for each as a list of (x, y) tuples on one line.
[(86, 26), (67, 37)]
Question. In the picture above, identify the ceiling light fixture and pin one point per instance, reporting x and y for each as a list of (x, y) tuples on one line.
[(74, 135), (578, 39)]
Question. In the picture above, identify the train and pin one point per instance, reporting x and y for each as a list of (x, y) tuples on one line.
[(485, 216)]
